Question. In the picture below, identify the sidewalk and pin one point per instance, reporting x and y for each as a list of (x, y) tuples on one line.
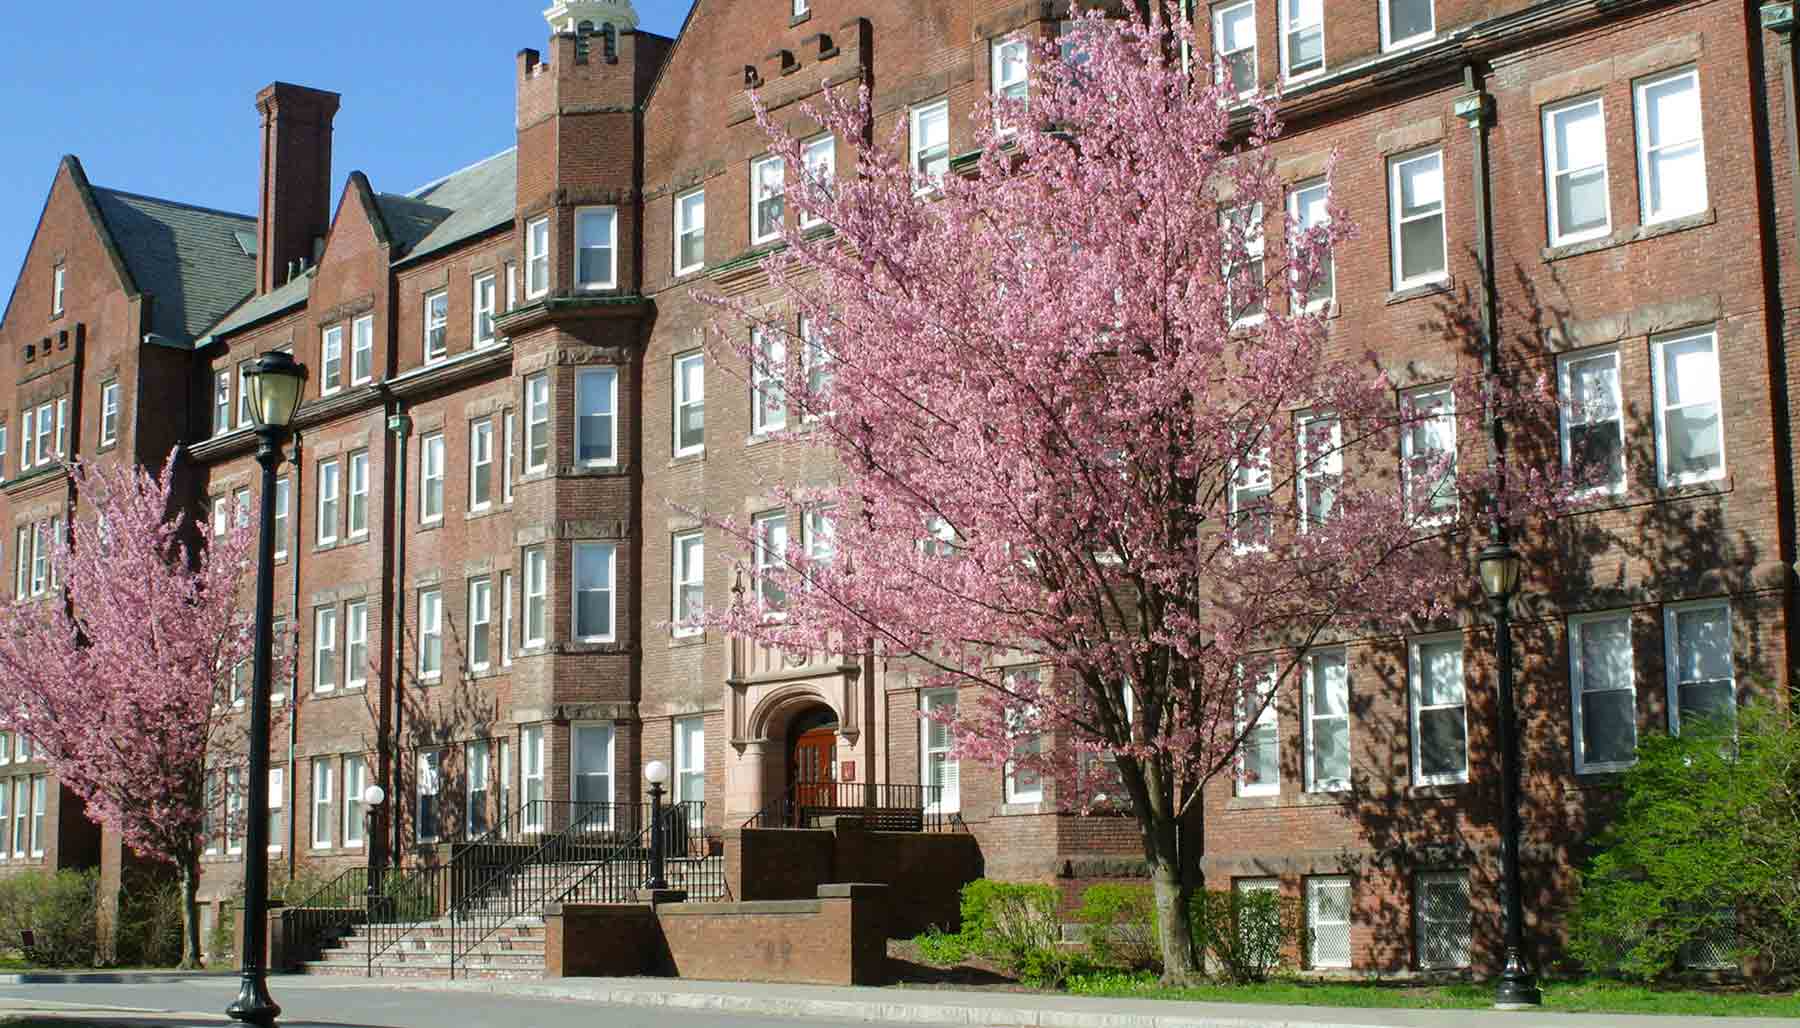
[(948, 1007)]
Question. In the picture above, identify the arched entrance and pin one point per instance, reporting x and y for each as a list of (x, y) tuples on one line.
[(812, 739)]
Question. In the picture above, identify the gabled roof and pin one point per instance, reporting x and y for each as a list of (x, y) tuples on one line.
[(269, 304), (192, 261), (468, 203)]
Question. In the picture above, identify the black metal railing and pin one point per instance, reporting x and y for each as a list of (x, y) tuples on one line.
[(883, 807), (403, 902), (330, 911)]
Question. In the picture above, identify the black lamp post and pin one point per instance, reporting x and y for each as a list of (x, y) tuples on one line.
[(1500, 566), (274, 382), (372, 797), (656, 772)]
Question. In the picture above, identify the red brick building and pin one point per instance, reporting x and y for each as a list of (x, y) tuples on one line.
[(508, 408)]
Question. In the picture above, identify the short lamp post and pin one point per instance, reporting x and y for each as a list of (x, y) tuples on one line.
[(274, 381), (372, 798), (656, 773), (1500, 567)]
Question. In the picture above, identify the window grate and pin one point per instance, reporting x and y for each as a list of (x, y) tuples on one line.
[(1441, 901), (1328, 922)]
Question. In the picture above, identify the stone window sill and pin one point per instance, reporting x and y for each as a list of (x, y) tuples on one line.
[(600, 471), (1442, 287), (688, 459), (1021, 809), (431, 526), (800, 19), (1626, 236), (592, 648), (682, 642), (489, 511)]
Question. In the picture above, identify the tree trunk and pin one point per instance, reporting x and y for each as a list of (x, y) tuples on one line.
[(1173, 896), (190, 914)]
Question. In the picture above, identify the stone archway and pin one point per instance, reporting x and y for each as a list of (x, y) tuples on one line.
[(765, 761)]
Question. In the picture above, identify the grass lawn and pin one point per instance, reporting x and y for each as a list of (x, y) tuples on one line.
[(1578, 996)]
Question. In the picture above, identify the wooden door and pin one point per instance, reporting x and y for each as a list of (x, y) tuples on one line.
[(814, 768)]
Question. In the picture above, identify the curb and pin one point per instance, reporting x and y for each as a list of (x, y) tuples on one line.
[(109, 977)]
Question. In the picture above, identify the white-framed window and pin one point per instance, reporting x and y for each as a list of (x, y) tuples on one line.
[(768, 198), (427, 784), (1309, 208), (509, 440), (690, 231), (768, 384), (690, 403), (41, 544), (1259, 755), (5, 753), (62, 426), (594, 606), (1024, 784), (221, 516), (243, 395), (109, 419), (431, 478), (1690, 435), (1441, 913), (487, 295), (437, 326), (362, 350), (531, 769), (481, 620), (930, 142), (475, 761), (330, 483), (3, 471), (819, 157), (596, 247), (1252, 518), (1440, 727), (591, 772), (537, 258), (938, 768), (481, 464), (1327, 720), (39, 803), (689, 575), (596, 407), (1405, 22), (1328, 921), (1593, 416), (815, 359), (358, 506), (801, 7), (1671, 147), (1416, 218), (331, 360), (1234, 45), (47, 434), (536, 572), (22, 538), (690, 760), (1430, 440), (1702, 678), (1244, 276), (769, 531), (1302, 38), (819, 531), (512, 285), (277, 805), (356, 779), (537, 422), (240, 507), (1604, 691), (505, 785), (356, 644), (325, 666), (26, 455), (431, 634), (323, 778), (506, 619), (22, 813), (1321, 462), (1009, 73), (57, 280), (1575, 171)]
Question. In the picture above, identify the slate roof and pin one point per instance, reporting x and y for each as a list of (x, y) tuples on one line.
[(188, 259), (477, 199), (273, 302)]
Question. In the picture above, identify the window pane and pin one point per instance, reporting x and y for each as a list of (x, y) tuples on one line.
[(1692, 434), (1443, 748), (1422, 247), (1581, 201), (595, 403), (1672, 111), (1408, 18), (1703, 644), (1330, 694), (1609, 727), (1421, 186), (1440, 664), (1331, 750)]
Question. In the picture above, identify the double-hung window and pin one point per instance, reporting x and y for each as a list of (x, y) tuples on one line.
[(531, 769), (504, 786), (507, 606), (234, 810), (23, 537), (1416, 218), (325, 666), (1327, 721), (1241, 232), (689, 574), (426, 786), (1428, 448), (820, 530), (1702, 682), (1024, 783), (277, 800), (1405, 22), (41, 543), (537, 258), (243, 395), (359, 494), (1309, 208), (596, 247), (537, 422), (1234, 45), (356, 644), (690, 760), (1671, 152), (481, 464), (362, 350), (1690, 437), (535, 585), (768, 381), (475, 760), (1593, 418), (221, 410), (819, 157), (768, 198), (109, 419), (690, 231), (3, 447), (930, 138), (356, 779), (690, 404), (331, 360), (769, 532), (1010, 68), (322, 802), (47, 433), (596, 404), (1321, 460), (437, 326), (1575, 171), (1327, 921), (939, 770), (1302, 38), (1604, 691), (509, 442), (330, 482), (431, 634), (594, 593), (62, 426), (481, 619), (1441, 910), (487, 296), (1259, 753), (431, 478), (1440, 729), (1252, 519), (815, 358), (27, 454)]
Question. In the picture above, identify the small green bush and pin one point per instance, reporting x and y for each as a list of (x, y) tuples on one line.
[(58, 908), (1244, 934), (1120, 920), (149, 932), (1111, 983), (1014, 924), (939, 947)]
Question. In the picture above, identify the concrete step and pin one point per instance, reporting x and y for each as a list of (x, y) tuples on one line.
[(417, 969), (358, 949)]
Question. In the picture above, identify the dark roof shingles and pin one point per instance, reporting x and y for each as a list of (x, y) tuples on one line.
[(188, 259)]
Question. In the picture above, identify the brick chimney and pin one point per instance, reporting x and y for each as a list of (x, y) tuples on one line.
[(295, 206)]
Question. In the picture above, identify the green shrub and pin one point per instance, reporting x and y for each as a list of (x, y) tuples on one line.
[(939, 947), (1244, 934), (149, 931), (1111, 983), (1014, 924), (1705, 849), (1120, 920), (58, 908)]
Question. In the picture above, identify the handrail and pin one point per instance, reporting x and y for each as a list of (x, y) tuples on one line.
[(336, 904), (897, 807)]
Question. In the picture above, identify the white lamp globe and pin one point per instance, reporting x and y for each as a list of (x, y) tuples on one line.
[(374, 795), (656, 772)]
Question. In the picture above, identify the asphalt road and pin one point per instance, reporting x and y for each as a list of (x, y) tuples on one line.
[(317, 1004)]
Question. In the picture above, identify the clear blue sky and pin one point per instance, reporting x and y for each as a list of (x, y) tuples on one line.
[(158, 98)]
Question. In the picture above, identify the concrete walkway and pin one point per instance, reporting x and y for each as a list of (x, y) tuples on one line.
[(948, 1007)]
